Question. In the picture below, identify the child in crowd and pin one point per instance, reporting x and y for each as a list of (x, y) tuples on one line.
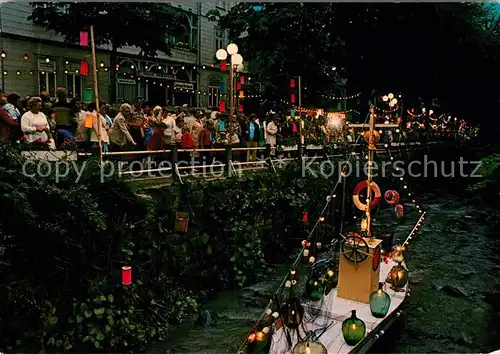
[(157, 140)]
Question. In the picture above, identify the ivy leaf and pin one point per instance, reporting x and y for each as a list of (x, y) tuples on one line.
[(100, 336), (102, 298), (67, 345), (111, 298), (52, 320), (88, 313), (99, 311), (79, 319)]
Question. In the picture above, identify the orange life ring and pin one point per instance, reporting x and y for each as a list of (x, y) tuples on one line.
[(374, 202)]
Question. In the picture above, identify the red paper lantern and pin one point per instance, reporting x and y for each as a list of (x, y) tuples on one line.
[(241, 108), (242, 80), (126, 275), (223, 66), (292, 98), (222, 106), (84, 67), (292, 83), (84, 38), (238, 86)]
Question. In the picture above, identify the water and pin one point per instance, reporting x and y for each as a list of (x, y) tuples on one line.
[(453, 306)]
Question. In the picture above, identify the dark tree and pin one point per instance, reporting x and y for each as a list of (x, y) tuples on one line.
[(421, 49), (145, 26)]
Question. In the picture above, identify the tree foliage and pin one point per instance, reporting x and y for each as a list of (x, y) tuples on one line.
[(144, 26), (428, 49)]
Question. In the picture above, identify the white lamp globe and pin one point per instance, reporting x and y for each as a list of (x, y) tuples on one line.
[(221, 54), (394, 101), (240, 67), (232, 49), (430, 112), (385, 98), (236, 59), (391, 96)]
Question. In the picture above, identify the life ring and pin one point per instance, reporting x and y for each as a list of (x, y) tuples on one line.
[(391, 197), (398, 210), (374, 202)]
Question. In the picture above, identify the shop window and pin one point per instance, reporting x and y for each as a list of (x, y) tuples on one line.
[(47, 82), (219, 39), (74, 86)]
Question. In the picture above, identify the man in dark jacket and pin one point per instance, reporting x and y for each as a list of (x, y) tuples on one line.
[(252, 137)]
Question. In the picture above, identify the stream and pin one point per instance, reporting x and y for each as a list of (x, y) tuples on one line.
[(454, 278)]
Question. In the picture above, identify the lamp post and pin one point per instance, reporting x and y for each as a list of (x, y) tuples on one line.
[(236, 62)]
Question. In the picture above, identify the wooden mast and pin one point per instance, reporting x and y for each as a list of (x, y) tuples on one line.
[(96, 92), (371, 153)]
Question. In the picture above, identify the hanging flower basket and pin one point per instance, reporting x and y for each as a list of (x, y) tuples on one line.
[(181, 221)]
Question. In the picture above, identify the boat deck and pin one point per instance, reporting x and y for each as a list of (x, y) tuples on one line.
[(330, 312)]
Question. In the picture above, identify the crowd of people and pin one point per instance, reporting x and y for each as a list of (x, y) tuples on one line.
[(140, 126)]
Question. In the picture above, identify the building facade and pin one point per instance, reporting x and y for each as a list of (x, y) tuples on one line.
[(34, 60)]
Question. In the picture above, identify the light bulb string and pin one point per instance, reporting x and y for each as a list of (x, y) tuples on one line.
[(414, 229), (299, 256)]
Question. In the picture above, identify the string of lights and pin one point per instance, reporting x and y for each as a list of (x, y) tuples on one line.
[(335, 98)]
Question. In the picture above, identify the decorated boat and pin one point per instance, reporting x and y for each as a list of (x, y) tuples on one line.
[(341, 297)]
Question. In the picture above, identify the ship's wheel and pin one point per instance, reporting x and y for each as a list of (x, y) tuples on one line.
[(355, 249)]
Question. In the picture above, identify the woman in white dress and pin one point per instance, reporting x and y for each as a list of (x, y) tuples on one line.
[(34, 123)]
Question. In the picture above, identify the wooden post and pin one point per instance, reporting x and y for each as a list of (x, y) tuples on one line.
[(96, 92)]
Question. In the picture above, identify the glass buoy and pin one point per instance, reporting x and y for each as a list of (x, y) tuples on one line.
[(380, 302), (353, 329), (309, 347), (398, 276), (315, 289)]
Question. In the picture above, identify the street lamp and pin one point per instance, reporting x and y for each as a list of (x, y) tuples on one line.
[(236, 66)]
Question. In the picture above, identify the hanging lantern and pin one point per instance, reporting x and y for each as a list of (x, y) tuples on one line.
[(242, 79), (391, 197), (241, 107), (222, 106), (84, 67), (305, 217), (84, 38), (309, 347), (292, 98), (238, 87), (353, 329), (293, 312), (181, 221), (380, 302), (292, 83), (223, 65), (258, 341), (315, 289), (398, 277), (26, 57), (399, 211), (126, 275), (242, 95)]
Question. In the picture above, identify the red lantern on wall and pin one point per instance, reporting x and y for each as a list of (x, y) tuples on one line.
[(242, 80), (292, 98), (126, 275), (241, 108), (292, 83), (223, 66), (84, 67), (222, 106), (84, 38), (238, 86)]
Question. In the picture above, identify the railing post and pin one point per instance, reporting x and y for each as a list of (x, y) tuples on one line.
[(300, 148), (173, 161), (267, 153), (229, 159)]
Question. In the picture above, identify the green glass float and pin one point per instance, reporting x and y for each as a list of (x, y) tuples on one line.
[(293, 312), (398, 277), (309, 347), (332, 280), (353, 329), (315, 289), (380, 302)]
